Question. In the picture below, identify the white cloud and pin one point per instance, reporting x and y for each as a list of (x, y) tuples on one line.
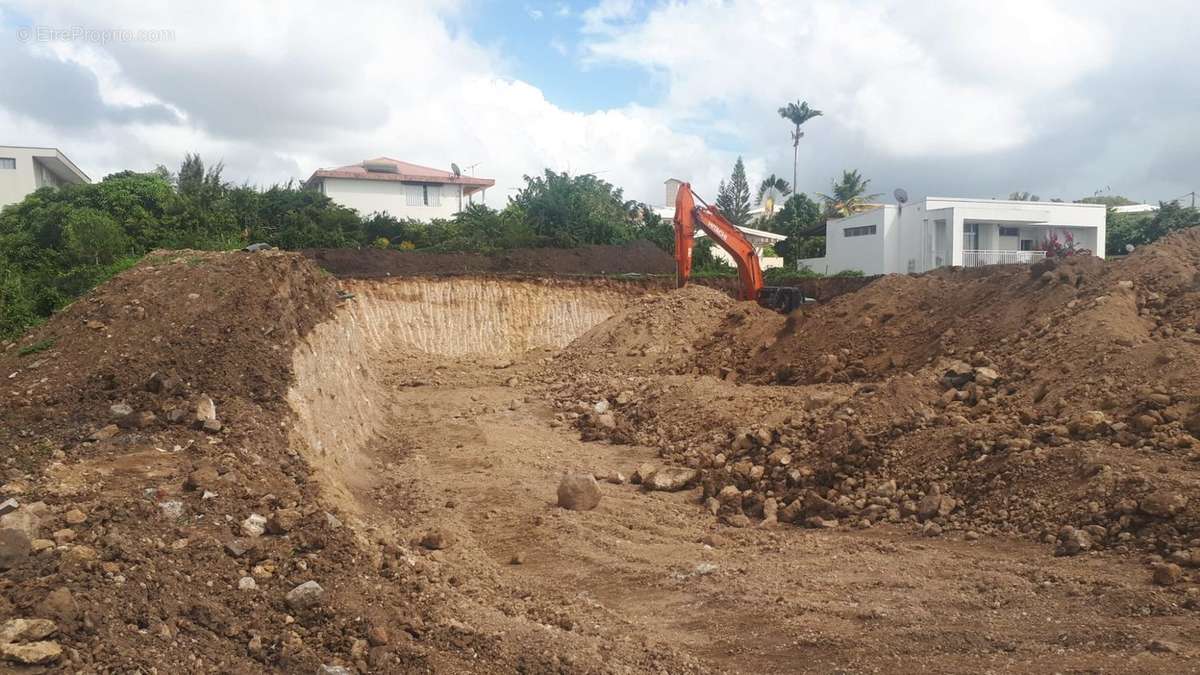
[(601, 17), (278, 94)]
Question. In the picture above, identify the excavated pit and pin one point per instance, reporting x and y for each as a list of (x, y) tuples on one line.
[(338, 397)]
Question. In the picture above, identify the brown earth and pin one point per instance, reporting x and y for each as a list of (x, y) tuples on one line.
[(638, 257), (405, 446)]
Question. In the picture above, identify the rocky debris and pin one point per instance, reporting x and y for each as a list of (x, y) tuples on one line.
[(305, 596), (578, 492), (1163, 647), (254, 525), (59, 604), (1072, 541), (142, 419), (75, 517), (1163, 504), (8, 506), (1167, 574), (171, 509), (518, 558), (437, 539), (120, 410), (204, 477), (377, 636), (283, 521), (32, 653), (14, 547), (105, 433), (671, 479), (247, 584), (205, 415), (24, 641), (643, 472), (163, 383), (327, 669)]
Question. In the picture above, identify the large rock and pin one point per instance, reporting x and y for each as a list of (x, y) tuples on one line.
[(206, 411), (26, 630), (14, 547), (1163, 504), (32, 653), (305, 596), (578, 492), (671, 479)]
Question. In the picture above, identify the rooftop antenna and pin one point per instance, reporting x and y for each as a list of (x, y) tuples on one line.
[(455, 170), (471, 167)]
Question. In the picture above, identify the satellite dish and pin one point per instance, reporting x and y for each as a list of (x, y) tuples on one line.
[(901, 196), (455, 170), (770, 199)]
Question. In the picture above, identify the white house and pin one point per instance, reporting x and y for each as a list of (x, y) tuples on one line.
[(401, 189), (23, 170), (940, 231), (759, 239)]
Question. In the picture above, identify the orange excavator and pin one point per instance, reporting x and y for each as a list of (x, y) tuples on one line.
[(730, 238)]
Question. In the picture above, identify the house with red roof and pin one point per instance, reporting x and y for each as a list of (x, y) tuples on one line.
[(401, 189)]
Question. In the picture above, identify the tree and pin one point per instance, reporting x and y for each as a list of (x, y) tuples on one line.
[(733, 199), (848, 196), (1108, 200), (797, 113), (94, 238), (773, 182), (1139, 229), (1024, 197), (564, 210), (799, 215)]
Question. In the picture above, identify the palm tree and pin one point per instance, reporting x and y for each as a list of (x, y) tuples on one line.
[(773, 182), (797, 113), (849, 195)]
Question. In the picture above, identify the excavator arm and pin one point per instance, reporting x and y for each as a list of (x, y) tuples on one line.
[(687, 217)]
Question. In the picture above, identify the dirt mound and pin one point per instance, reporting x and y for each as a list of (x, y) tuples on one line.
[(656, 333), (1059, 401), (165, 513), (638, 257)]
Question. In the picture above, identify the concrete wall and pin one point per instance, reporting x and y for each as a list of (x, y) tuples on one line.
[(380, 196), (32, 172), (866, 253)]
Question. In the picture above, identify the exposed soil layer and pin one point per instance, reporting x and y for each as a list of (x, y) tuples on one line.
[(639, 257)]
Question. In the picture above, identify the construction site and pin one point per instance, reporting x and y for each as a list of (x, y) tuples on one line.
[(557, 462)]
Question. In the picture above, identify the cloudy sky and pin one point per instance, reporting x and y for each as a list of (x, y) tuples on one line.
[(953, 98)]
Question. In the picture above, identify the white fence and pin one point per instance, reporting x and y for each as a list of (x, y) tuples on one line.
[(981, 258)]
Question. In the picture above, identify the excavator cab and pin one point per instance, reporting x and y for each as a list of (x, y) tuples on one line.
[(688, 216)]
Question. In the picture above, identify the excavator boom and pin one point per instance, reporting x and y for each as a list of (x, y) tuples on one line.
[(687, 217)]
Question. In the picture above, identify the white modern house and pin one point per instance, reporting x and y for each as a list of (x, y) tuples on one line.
[(941, 231), (402, 189), (760, 239), (24, 169)]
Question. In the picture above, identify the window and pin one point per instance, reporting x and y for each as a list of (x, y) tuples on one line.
[(1026, 244), (422, 195), (1010, 231), (861, 231), (970, 236), (8, 163)]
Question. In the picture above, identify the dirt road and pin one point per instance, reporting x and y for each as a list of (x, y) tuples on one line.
[(480, 460)]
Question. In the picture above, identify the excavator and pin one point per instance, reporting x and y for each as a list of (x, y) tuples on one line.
[(688, 216)]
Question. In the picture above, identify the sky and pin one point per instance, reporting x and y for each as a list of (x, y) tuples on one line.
[(1062, 98)]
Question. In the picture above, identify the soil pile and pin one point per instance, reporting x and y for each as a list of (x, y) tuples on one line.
[(638, 257), (1059, 401), (157, 508)]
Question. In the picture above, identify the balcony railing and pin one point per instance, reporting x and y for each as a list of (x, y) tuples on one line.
[(975, 258)]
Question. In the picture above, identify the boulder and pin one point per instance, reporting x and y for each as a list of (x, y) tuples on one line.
[(206, 411), (305, 596), (1167, 574), (26, 630), (1163, 504), (671, 479), (14, 547), (283, 521), (254, 525), (32, 653), (437, 539), (578, 492)]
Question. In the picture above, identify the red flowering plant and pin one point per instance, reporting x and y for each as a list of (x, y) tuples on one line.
[(1062, 248)]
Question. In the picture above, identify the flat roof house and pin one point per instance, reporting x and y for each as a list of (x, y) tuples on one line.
[(401, 189), (942, 231), (24, 169)]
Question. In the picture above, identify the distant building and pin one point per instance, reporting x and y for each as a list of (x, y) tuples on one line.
[(398, 188), (23, 170), (1135, 208), (759, 239), (945, 231)]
